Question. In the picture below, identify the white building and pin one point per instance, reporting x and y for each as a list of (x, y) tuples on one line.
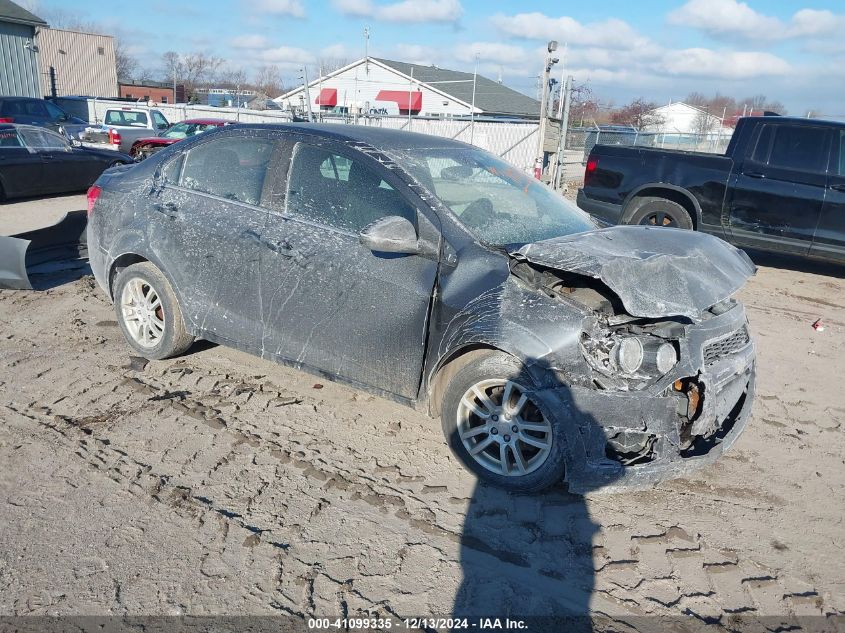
[(382, 86), (682, 118)]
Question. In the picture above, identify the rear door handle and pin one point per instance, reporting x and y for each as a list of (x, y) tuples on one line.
[(755, 174), (168, 209)]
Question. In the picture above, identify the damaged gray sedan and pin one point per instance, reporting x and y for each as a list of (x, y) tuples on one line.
[(434, 273)]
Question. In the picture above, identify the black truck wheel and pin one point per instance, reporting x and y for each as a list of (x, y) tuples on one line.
[(660, 212)]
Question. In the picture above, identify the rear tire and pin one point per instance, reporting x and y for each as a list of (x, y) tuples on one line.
[(499, 428), (148, 312), (660, 212)]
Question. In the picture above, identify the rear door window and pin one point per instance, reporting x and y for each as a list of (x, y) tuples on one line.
[(232, 167), (42, 140)]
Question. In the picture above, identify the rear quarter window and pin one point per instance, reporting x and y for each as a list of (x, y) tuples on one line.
[(9, 138)]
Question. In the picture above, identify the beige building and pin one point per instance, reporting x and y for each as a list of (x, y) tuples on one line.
[(82, 63)]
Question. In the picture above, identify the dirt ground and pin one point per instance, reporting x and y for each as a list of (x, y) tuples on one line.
[(218, 483)]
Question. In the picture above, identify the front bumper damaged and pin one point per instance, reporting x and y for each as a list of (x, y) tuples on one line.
[(667, 436), (65, 240)]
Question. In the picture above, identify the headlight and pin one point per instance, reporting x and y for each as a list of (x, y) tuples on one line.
[(628, 354), (666, 358)]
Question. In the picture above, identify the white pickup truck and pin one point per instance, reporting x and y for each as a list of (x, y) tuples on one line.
[(123, 126)]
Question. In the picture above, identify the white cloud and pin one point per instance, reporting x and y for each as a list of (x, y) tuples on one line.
[(707, 63), (292, 8), (249, 41), (497, 52), (416, 54), (337, 51), (355, 8), (411, 11), (610, 33), (731, 19), (287, 56)]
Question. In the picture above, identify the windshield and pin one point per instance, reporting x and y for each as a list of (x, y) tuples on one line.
[(184, 130), (497, 202)]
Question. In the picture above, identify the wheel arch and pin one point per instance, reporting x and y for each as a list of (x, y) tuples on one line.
[(449, 365), (674, 193)]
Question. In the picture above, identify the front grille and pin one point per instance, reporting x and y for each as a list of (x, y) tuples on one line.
[(726, 346)]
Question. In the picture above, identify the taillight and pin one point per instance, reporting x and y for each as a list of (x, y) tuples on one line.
[(592, 166), (7, 119), (114, 137), (93, 193)]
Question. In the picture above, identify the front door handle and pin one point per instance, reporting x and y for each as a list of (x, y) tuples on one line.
[(167, 209), (838, 187), (755, 174)]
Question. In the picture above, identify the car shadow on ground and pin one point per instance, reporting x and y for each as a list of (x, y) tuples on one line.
[(796, 263), (54, 274), (529, 557)]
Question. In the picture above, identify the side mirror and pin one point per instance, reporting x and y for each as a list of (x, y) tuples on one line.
[(392, 234), (75, 142)]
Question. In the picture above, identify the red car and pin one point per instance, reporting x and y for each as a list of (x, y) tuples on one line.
[(145, 147)]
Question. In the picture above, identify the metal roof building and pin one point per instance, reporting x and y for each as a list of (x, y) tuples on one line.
[(369, 84), (82, 63), (19, 51)]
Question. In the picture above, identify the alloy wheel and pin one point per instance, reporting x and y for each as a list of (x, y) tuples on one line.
[(659, 218), (502, 429), (142, 312)]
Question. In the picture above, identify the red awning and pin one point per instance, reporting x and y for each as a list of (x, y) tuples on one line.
[(328, 97), (402, 99)]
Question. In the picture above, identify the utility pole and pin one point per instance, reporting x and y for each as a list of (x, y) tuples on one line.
[(410, 96), (544, 107), (472, 110), (566, 102), (367, 50), (307, 93)]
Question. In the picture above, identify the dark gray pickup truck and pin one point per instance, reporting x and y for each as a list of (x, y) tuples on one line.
[(780, 186)]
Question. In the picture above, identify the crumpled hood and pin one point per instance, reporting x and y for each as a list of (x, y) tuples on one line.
[(656, 272)]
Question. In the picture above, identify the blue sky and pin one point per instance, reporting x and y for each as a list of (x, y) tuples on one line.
[(793, 52)]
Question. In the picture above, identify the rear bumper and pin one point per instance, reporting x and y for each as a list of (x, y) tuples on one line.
[(605, 212)]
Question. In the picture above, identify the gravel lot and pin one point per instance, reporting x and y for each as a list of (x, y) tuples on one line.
[(218, 483)]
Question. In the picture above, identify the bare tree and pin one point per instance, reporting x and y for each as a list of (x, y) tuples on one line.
[(639, 114), (697, 99), (268, 79), (193, 70), (704, 123), (328, 65), (126, 64)]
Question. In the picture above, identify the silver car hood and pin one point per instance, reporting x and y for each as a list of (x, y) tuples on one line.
[(656, 272)]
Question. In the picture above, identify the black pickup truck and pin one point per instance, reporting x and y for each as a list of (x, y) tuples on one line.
[(780, 186)]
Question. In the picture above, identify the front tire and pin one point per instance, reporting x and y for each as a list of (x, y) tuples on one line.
[(660, 212), (148, 312), (500, 428)]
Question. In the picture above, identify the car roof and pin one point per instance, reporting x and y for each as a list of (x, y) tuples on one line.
[(377, 137), (24, 126), (208, 121), (793, 120)]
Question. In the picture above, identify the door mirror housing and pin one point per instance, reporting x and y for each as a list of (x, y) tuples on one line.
[(391, 234)]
